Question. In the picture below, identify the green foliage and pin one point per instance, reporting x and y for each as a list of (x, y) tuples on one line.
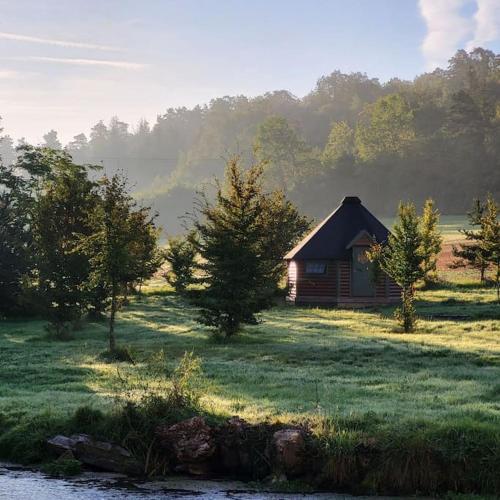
[(491, 238), (118, 355), (431, 240), (340, 144), (181, 255), (229, 238), (121, 249), (61, 214), (452, 114), (402, 259), (406, 315), (278, 147), (481, 247), (63, 467), (387, 128), (241, 239), (15, 239)]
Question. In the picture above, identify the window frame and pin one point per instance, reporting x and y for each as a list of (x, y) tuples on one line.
[(316, 263)]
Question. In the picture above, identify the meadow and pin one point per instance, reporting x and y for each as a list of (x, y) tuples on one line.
[(298, 362), (422, 400)]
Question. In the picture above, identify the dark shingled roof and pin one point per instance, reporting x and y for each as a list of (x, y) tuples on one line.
[(329, 240)]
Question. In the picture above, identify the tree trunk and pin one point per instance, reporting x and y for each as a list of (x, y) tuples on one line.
[(112, 340), (498, 282)]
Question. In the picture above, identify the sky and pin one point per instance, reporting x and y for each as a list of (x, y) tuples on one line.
[(65, 65)]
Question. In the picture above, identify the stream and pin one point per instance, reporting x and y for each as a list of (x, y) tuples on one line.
[(21, 483)]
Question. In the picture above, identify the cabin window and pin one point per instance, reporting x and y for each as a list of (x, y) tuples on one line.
[(315, 267)]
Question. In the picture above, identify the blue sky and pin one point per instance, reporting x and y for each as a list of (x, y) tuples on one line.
[(67, 64)]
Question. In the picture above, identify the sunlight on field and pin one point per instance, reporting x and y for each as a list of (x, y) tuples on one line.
[(298, 362), (449, 226)]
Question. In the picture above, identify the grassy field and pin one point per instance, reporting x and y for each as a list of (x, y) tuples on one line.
[(450, 226), (297, 362)]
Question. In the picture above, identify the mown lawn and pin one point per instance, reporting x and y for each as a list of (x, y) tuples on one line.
[(297, 362)]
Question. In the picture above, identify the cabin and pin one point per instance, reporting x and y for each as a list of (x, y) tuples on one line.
[(330, 267)]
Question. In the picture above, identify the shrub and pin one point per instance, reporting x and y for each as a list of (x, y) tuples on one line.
[(181, 255), (118, 355), (62, 467)]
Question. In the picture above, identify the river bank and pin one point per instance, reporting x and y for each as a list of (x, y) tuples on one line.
[(21, 483)]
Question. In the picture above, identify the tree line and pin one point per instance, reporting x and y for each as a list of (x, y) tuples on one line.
[(73, 245), (437, 136), (70, 245)]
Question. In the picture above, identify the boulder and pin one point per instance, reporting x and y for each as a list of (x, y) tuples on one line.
[(234, 450), (100, 454), (192, 442), (288, 452)]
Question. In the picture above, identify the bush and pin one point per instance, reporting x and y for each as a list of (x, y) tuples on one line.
[(181, 255), (118, 355), (62, 467)]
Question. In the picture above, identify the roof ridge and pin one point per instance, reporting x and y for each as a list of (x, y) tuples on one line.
[(329, 238), (304, 241)]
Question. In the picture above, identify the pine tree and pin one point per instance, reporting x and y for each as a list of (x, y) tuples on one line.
[(241, 239), (181, 255), (473, 253), (431, 240), (491, 239), (402, 259)]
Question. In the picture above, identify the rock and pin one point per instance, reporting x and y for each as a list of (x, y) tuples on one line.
[(60, 444), (234, 447), (67, 455), (288, 452), (100, 454), (192, 443)]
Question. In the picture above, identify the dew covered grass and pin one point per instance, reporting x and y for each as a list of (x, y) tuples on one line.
[(298, 362)]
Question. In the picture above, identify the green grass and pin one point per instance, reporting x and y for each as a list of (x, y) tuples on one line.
[(299, 362)]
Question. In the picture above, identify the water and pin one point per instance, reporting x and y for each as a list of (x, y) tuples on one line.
[(18, 483)]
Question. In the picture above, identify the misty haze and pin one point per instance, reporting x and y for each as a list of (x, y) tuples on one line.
[(255, 241)]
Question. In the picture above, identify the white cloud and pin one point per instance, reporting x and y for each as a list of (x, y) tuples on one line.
[(61, 43), (83, 62), (447, 29), (487, 20)]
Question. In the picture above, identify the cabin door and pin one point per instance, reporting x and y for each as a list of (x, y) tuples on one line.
[(362, 283)]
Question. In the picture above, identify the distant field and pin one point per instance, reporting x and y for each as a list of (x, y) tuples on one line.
[(449, 226), (298, 362)]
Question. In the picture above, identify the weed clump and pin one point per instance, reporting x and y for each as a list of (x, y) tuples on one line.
[(118, 355), (63, 467)]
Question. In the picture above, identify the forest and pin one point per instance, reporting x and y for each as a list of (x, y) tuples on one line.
[(437, 136)]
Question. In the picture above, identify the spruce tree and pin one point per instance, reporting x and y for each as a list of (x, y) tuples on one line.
[(491, 239), (431, 240), (181, 255), (402, 259), (472, 253), (241, 239)]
